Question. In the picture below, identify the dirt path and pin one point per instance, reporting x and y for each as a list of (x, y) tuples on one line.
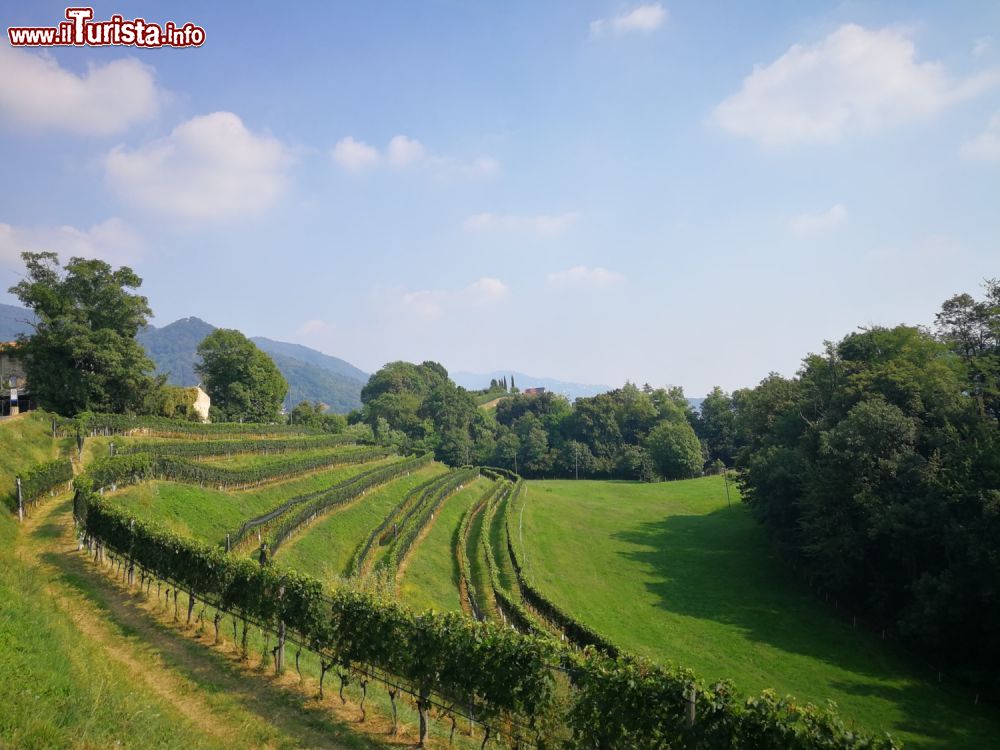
[(228, 700)]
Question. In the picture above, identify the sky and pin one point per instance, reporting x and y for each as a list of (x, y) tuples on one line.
[(678, 193)]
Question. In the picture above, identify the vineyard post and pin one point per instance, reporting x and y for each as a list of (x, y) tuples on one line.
[(689, 713), (725, 478), (20, 501)]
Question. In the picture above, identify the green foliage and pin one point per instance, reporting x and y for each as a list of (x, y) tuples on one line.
[(124, 424), (197, 448), (342, 493), (315, 415), (878, 470), (242, 381), (420, 512), (675, 450), (83, 354), (42, 479)]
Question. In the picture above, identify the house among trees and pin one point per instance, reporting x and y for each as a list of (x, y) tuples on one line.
[(15, 396), (534, 391)]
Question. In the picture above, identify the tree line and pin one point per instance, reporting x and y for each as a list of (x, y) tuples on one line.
[(627, 433), (877, 470)]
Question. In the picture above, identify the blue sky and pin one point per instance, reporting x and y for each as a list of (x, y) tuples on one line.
[(674, 193)]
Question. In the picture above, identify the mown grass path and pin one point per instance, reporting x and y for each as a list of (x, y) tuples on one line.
[(669, 571)]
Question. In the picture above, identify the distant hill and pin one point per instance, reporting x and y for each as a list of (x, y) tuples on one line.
[(312, 357), (14, 321), (477, 381), (311, 375)]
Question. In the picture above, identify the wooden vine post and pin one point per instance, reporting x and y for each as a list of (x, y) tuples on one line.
[(279, 651), (20, 501), (689, 712)]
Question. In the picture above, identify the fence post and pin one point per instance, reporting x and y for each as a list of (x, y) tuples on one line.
[(20, 501), (690, 706)]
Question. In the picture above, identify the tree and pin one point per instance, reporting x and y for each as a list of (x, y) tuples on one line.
[(83, 355), (716, 426), (315, 415), (675, 450), (242, 381)]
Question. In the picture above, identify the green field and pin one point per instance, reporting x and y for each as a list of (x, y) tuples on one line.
[(669, 571), (430, 572), (325, 548), (208, 514)]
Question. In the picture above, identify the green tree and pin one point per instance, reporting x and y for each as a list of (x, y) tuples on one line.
[(242, 381), (83, 355), (675, 450), (716, 426)]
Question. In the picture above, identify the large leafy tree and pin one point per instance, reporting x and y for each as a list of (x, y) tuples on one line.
[(242, 381), (674, 449), (83, 355)]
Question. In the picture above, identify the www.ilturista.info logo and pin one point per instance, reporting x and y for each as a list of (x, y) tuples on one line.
[(80, 30)]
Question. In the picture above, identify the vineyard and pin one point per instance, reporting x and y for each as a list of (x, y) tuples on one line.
[(455, 606)]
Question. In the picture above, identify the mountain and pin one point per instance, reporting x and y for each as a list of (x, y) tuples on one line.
[(312, 357), (311, 375), (172, 348), (476, 381), (14, 321)]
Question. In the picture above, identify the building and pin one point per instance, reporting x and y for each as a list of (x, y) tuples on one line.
[(202, 403), (15, 396), (534, 391)]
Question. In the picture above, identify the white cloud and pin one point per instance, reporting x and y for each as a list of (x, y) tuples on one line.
[(981, 46), (208, 167), (645, 18), (36, 92), (315, 327), (986, 145), (542, 224), (855, 79), (354, 155), (431, 304), (807, 224), (112, 241), (484, 166), (403, 151), (581, 277)]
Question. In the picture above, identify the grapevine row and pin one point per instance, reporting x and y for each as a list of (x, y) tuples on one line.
[(107, 425), (196, 448), (380, 532), (466, 585), (430, 502), (44, 478), (343, 493)]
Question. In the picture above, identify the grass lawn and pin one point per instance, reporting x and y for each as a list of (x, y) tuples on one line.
[(325, 548), (667, 570), (208, 514), (430, 578), (24, 441)]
